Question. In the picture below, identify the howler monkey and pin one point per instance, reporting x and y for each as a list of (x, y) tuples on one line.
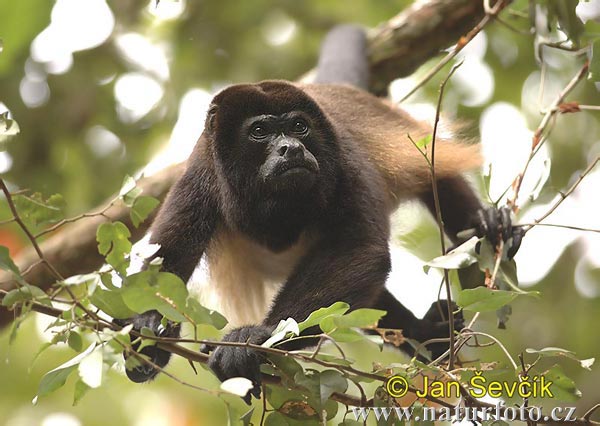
[(288, 192)]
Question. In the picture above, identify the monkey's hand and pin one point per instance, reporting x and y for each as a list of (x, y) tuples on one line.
[(496, 224), (435, 325), (240, 361), (157, 357)]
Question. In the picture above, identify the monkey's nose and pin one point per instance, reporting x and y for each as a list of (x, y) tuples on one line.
[(291, 150)]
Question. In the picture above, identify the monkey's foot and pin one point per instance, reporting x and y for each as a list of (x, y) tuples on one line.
[(158, 358), (435, 325), (241, 361), (494, 223)]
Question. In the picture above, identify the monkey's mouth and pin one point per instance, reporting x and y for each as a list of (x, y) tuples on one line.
[(296, 167)]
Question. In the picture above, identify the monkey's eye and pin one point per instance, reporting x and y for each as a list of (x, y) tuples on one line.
[(300, 126), (258, 131)]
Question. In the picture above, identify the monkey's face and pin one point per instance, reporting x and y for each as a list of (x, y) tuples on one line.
[(271, 139), (284, 142)]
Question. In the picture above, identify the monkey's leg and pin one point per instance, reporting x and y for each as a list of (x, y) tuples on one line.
[(432, 326)]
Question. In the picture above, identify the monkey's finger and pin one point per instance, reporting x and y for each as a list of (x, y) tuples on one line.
[(517, 238), (506, 223), (206, 349), (494, 224)]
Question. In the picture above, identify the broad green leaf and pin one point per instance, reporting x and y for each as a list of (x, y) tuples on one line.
[(201, 315), (75, 342), (141, 209), (560, 352), (287, 366), (24, 293), (56, 378), (338, 308), (331, 381), (283, 329), (237, 385), (162, 291), (34, 210), (568, 20), (129, 191), (113, 242), (321, 385), (346, 335), (6, 263), (482, 299), (80, 390), (277, 419), (111, 302), (359, 318), (563, 387), (246, 418)]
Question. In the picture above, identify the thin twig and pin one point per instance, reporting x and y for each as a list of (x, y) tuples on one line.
[(75, 219), (500, 4), (539, 136), (438, 212), (557, 225), (565, 195)]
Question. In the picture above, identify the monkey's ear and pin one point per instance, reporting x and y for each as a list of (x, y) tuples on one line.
[(211, 117)]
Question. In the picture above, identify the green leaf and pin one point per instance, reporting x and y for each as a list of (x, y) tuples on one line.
[(568, 20), (337, 309), (594, 57), (331, 381), (162, 291), (141, 209), (75, 342), (201, 315), (35, 211), (346, 335), (6, 262), (111, 302), (56, 378), (461, 257), (322, 384), (24, 293), (359, 318), (246, 418), (560, 352), (129, 191), (80, 390), (482, 299), (287, 366), (113, 242), (563, 388)]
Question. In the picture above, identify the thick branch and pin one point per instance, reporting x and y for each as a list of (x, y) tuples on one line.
[(396, 49)]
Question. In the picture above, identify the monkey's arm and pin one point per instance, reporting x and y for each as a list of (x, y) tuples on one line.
[(186, 221), (458, 204), (461, 209), (183, 228)]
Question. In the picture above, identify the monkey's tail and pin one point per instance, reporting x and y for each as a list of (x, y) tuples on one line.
[(343, 57)]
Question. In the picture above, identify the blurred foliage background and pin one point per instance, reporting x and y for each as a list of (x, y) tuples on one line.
[(98, 87)]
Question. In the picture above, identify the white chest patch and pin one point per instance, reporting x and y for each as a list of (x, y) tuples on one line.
[(240, 278)]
